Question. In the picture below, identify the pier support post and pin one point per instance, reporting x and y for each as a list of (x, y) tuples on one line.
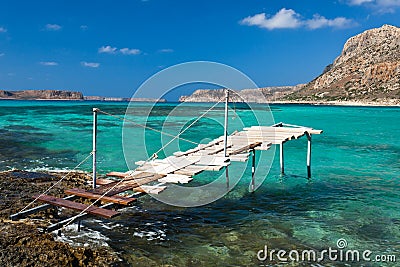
[(308, 155), (253, 169), (95, 110), (282, 159), (226, 122), (227, 177)]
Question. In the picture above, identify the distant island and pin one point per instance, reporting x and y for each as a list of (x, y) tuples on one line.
[(367, 72), (41, 95), (64, 95)]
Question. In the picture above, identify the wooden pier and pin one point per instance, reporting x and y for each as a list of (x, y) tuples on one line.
[(154, 176)]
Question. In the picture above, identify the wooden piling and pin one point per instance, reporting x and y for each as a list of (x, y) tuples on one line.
[(253, 169), (308, 155), (227, 177), (226, 122), (282, 158), (95, 110)]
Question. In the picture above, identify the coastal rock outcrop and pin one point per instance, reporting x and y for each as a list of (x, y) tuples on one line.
[(368, 69), (41, 94), (259, 95)]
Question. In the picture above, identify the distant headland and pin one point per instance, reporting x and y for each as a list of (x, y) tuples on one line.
[(65, 95), (41, 95)]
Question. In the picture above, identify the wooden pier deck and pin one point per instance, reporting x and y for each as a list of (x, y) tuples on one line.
[(153, 176)]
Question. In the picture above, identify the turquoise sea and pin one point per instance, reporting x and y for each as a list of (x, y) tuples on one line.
[(353, 193)]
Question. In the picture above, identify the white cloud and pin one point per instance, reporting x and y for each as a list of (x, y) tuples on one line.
[(128, 51), (2, 29), (48, 63), (166, 50), (285, 18), (113, 50), (107, 49), (320, 21), (90, 64), (2, 54), (289, 19), (383, 6), (359, 2), (53, 27), (83, 27)]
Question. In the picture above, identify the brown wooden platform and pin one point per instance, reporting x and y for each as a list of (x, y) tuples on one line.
[(87, 194), (55, 201)]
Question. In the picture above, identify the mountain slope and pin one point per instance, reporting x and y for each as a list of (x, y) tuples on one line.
[(368, 69)]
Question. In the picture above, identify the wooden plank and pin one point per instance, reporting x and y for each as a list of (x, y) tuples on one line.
[(210, 168), (104, 181), (86, 194), (283, 129), (153, 189), (77, 206), (186, 172), (175, 178), (267, 135), (126, 175), (245, 148), (270, 139), (218, 150), (33, 210), (210, 160), (117, 174), (128, 184), (263, 147), (240, 159), (199, 147), (198, 168), (171, 165)]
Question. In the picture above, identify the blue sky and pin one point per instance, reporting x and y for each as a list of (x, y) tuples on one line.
[(110, 47)]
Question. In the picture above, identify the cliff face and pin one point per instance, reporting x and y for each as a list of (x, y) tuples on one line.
[(259, 95), (368, 69), (41, 94)]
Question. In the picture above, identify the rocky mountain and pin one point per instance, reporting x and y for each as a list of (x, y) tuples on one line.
[(41, 94), (259, 95), (367, 70)]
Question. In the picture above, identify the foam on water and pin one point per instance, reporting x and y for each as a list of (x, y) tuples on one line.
[(85, 238)]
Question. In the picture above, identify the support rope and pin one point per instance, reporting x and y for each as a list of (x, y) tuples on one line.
[(145, 126), (147, 160), (59, 181)]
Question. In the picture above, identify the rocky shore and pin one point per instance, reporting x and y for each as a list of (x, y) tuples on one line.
[(22, 243)]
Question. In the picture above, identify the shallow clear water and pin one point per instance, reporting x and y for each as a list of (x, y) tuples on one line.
[(353, 194)]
